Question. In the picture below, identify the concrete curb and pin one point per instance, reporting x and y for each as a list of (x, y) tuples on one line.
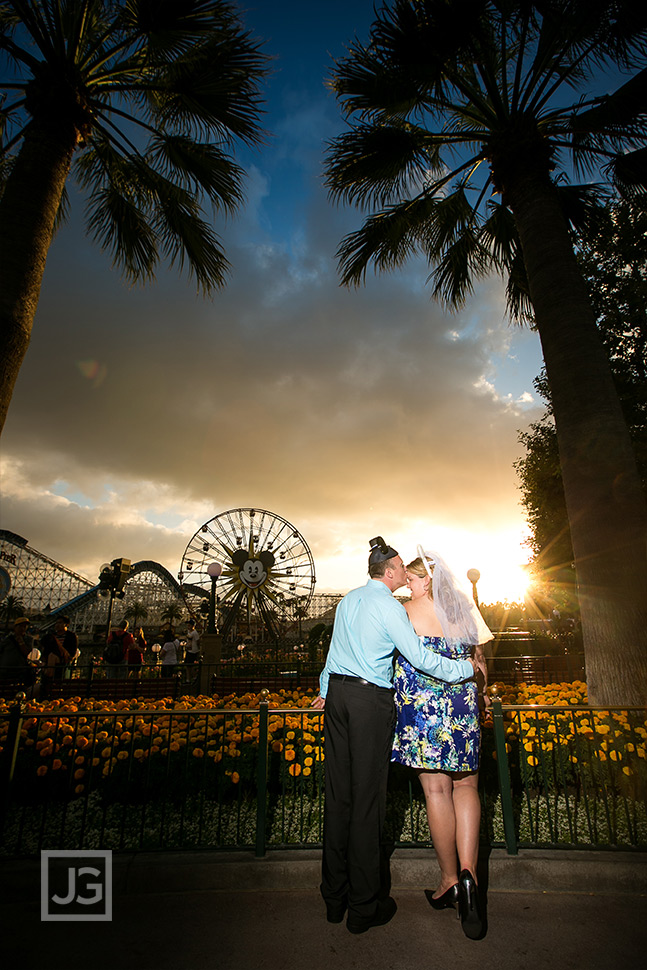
[(531, 871)]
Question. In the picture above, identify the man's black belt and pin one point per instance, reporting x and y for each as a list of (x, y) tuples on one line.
[(359, 681)]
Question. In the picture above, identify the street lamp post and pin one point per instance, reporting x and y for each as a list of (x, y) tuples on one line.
[(474, 575), (214, 570), (211, 642)]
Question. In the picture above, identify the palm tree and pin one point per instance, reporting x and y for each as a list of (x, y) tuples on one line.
[(172, 613), (10, 609), (135, 611), (142, 100), (467, 121)]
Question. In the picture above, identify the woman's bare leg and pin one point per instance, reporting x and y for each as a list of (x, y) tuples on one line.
[(437, 786), (467, 815)]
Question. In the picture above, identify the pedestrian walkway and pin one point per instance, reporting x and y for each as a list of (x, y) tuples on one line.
[(229, 911)]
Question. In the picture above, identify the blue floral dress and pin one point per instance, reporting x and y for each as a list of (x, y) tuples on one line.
[(437, 725)]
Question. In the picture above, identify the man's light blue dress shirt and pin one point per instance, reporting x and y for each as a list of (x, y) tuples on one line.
[(370, 625)]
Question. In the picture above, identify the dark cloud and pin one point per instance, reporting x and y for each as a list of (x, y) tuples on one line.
[(139, 413)]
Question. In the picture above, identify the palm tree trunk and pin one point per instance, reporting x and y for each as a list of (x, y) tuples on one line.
[(606, 505), (28, 210)]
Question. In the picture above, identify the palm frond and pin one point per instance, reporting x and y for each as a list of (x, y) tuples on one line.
[(377, 164), (117, 222), (629, 174), (199, 168), (462, 262), (185, 238), (214, 88), (386, 239)]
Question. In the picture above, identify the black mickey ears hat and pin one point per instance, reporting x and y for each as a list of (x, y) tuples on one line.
[(380, 552)]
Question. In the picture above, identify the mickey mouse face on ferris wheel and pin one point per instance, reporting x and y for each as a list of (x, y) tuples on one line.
[(252, 570)]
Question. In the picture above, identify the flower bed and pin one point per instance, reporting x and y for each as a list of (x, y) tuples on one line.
[(187, 769)]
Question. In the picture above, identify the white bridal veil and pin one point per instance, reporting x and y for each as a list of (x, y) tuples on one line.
[(458, 613)]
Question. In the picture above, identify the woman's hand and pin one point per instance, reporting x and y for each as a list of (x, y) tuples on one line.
[(318, 703)]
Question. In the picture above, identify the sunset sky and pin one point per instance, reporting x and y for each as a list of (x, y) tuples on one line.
[(141, 413)]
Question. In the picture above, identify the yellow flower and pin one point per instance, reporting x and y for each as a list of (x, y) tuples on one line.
[(235, 777), (295, 770), (290, 755)]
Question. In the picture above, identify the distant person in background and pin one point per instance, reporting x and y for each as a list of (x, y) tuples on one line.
[(14, 656), (135, 655), (59, 649), (169, 654), (116, 650), (192, 651)]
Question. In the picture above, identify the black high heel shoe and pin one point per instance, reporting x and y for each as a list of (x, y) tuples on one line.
[(446, 901), (469, 905)]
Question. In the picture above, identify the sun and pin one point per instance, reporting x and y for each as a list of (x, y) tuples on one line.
[(505, 581)]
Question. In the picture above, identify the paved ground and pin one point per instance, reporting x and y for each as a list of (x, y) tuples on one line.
[(217, 912)]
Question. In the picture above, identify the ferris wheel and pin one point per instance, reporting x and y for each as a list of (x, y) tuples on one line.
[(267, 567)]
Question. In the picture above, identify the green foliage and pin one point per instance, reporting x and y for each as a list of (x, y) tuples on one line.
[(153, 96), (449, 103)]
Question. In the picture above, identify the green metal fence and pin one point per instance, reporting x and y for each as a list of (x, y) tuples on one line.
[(572, 776), (134, 778)]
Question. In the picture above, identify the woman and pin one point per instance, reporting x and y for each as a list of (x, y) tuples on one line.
[(169, 654), (437, 732), (135, 655)]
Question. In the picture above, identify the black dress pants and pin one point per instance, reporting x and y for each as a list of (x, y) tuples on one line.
[(358, 730)]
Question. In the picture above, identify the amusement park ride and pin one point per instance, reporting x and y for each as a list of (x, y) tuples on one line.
[(257, 563), (266, 570)]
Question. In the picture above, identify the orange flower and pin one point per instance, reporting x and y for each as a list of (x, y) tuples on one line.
[(295, 769)]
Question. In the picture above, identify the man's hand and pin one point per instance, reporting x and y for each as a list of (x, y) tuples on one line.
[(318, 703), (479, 665)]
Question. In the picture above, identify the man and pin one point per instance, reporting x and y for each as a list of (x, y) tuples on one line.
[(116, 650), (15, 649), (192, 652), (59, 649), (356, 692)]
